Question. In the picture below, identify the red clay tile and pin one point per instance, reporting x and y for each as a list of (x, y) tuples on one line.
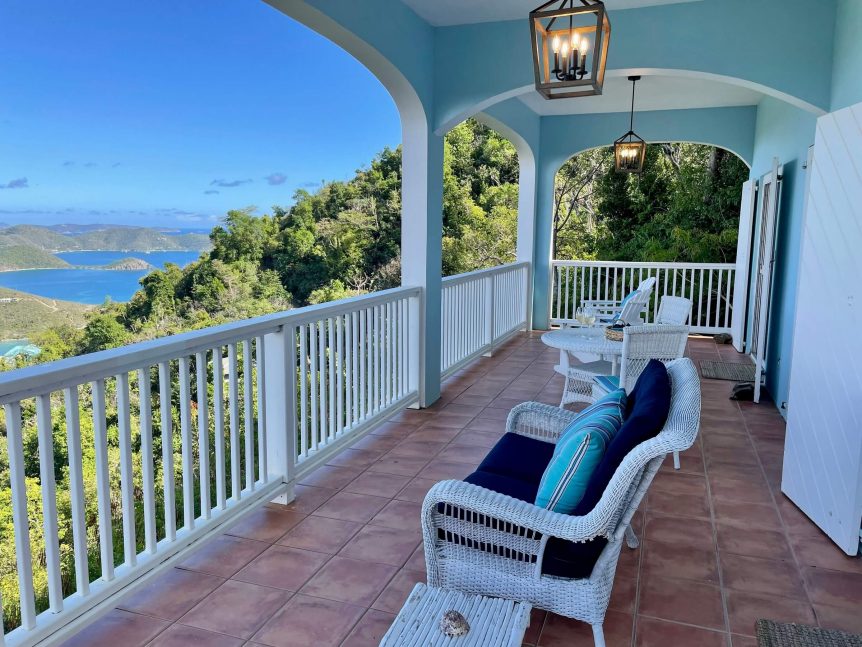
[(115, 628), (417, 559), (401, 465), (282, 567), (350, 580), (417, 448), (463, 453), (749, 517), (844, 618), (331, 477), (767, 576), (223, 556), (171, 594), (236, 608), (676, 504), (370, 629), (265, 524), (681, 601), (399, 514), (396, 592), (415, 490), (763, 543), (384, 545), (308, 499), (679, 531), (679, 483), (441, 470), (306, 621), (377, 484), (565, 632), (357, 458), (351, 507), (835, 588), (320, 534), (183, 636), (658, 633), (696, 564), (745, 609), (822, 553)]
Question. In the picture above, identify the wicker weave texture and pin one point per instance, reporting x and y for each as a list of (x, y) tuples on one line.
[(481, 542)]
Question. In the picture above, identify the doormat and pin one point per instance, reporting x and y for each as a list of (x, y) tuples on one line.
[(779, 634), (731, 371)]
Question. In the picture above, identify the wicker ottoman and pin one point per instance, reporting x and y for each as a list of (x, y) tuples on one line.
[(493, 622)]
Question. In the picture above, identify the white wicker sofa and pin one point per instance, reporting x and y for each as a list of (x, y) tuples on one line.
[(480, 541)]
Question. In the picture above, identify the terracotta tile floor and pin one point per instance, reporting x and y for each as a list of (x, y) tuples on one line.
[(721, 546)]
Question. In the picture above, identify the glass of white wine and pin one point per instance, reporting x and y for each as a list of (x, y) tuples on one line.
[(589, 316)]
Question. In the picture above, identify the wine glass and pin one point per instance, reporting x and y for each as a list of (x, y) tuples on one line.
[(579, 315)]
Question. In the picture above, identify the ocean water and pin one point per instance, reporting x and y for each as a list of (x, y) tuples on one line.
[(90, 286)]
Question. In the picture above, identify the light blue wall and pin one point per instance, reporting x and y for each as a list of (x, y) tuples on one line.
[(563, 137), (785, 132), (847, 70), (782, 46)]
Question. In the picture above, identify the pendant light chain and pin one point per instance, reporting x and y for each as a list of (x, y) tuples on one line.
[(632, 118)]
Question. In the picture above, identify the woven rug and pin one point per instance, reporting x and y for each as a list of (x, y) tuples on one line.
[(779, 634), (735, 372)]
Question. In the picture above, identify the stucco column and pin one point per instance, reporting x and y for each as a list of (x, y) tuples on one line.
[(527, 195), (422, 246), (545, 173)]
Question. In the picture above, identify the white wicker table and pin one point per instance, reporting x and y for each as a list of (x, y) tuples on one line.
[(583, 342), (494, 622)]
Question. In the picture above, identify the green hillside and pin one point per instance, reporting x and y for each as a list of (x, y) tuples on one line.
[(22, 314), (27, 257), (138, 239)]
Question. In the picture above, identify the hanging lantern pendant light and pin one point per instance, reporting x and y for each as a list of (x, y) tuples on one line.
[(570, 47), (630, 150)]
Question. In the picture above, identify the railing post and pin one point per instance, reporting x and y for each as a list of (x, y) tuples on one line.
[(490, 313), (280, 405), (415, 356)]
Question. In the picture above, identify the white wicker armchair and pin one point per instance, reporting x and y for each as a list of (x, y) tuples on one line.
[(482, 542), (639, 302), (674, 311), (640, 344)]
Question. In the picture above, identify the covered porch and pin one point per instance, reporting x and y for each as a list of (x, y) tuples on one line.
[(721, 546), (296, 521)]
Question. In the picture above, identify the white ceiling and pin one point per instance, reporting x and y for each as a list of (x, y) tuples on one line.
[(654, 92), (459, 12)]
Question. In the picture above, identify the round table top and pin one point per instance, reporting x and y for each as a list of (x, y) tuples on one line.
[(583, 340)]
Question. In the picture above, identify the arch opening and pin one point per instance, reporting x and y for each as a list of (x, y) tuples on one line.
[(683, 208)]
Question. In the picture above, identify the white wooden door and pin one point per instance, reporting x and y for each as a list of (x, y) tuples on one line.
[(770, 196), (743, 263), (823, 449)]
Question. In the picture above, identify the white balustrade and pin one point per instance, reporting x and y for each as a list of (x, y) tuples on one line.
[(480, 310), (709, 286), (301, 385)]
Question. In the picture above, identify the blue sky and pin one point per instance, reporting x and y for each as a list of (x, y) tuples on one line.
[(171, 112)]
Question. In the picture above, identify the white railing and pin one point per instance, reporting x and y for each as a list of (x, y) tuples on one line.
[(481, 309), (186, 434), (709, 286)]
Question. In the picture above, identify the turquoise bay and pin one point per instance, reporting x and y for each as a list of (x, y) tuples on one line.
[(88, 285)]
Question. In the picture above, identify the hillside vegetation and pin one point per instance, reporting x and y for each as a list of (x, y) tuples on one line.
[(138, 239), (26, 314), (28, 257)]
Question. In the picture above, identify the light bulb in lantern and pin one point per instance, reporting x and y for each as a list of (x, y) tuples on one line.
[(585, 44), (555, 44), (575, 39), (565, 50)]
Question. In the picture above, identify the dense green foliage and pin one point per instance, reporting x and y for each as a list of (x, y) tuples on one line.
[(22, 314), (684, 207)]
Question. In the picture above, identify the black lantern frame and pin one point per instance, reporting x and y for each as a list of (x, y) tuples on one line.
[(570, 47), (630, 149)]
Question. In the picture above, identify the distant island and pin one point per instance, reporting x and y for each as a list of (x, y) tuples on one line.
[(30, 247), (130, 264)]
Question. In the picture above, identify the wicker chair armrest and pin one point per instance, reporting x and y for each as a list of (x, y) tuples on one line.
[(540, 421), (506, 514)]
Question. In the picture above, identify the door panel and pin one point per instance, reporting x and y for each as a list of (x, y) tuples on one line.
[(823, 447)]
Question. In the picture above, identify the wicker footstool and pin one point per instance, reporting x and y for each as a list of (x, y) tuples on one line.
[(493, 622)]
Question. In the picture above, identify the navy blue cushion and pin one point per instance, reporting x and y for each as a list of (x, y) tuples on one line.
[(519, 457), (649, 404), (562, 558), (515, 488)]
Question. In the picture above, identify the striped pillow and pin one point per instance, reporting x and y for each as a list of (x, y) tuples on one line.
[(578, 453)]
